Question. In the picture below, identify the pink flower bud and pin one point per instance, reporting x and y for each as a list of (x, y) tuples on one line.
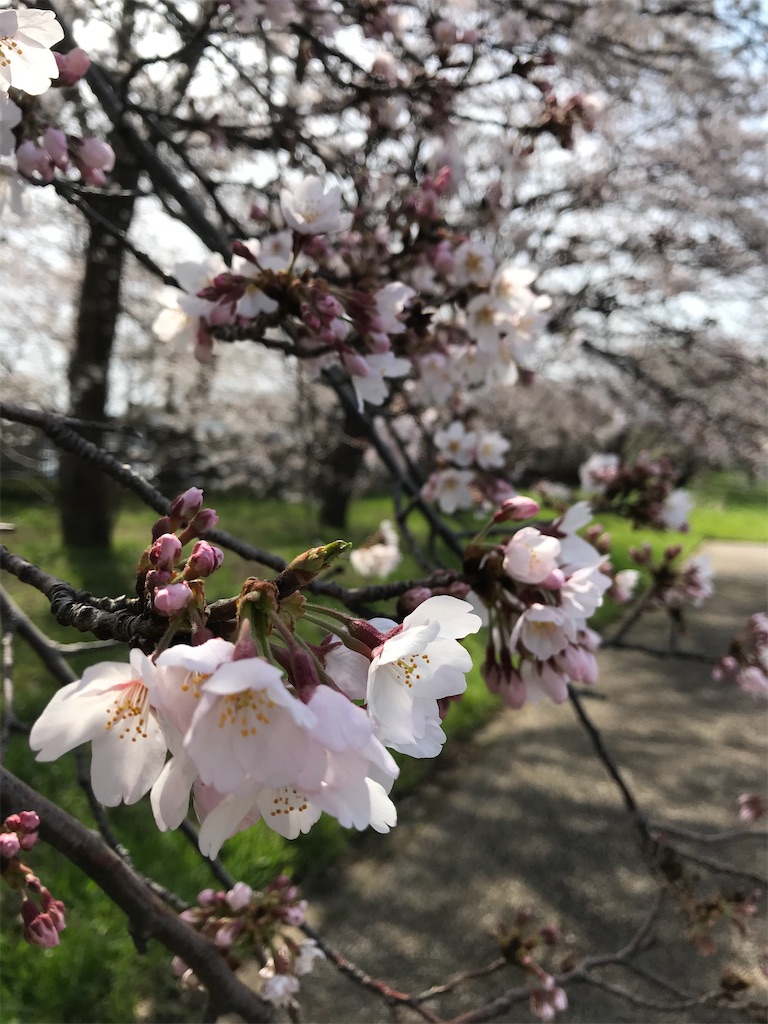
[(227, 934), (517, 509), (239, 896), (28, 840), (39, 929), (9, 844), (355, 363), (172, 599), (72, 67), (13, 822), (187, 504), (204, 521), (294, 916), (165, 552), (96, 154), (55, 143), (32, 159), (412, 598), (204, 560), (30, 821), (379, 342), (206, 897), (94, 176), (55, 910)]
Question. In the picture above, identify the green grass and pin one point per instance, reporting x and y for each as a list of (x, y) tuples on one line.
[(96, 974)]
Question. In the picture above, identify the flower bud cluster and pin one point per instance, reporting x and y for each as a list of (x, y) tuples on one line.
[(244, 925), (643, 492), (170, 584), (42, 915), (39, 156), (746, 662), (519, 941)]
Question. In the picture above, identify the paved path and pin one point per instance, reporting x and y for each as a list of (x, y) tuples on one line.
[(527, 816)]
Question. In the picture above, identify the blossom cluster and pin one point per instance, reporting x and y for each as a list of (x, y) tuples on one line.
[(458, 486), (539, 586), (244, 924), (378, 332), (643, 491), (746, 662), (42, 915), (269, 726), (29, 67)]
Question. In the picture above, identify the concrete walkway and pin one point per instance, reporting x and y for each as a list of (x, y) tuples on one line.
[(526, 815)]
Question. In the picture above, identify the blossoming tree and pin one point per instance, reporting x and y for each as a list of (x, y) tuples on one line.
[(371, 254)]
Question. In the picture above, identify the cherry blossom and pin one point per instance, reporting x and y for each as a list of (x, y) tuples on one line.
[(451, 489), (597, 472), (675, 510), (310, 210), (370, 384), (457, 443), (418, 664), (530, 556), (180, 320), (490, 450), (26, 61), (109, 707)]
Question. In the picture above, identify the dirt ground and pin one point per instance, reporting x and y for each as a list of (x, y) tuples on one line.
[(526, 816)]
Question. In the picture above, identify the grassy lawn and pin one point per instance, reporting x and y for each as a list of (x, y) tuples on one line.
[(96, 975)]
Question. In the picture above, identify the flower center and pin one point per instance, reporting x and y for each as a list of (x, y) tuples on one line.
[(130, 710), (242, 710), (286, 800), (8, 43), (407, 669)]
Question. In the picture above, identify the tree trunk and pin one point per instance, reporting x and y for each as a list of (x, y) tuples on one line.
[(340, 471), (87, 497)]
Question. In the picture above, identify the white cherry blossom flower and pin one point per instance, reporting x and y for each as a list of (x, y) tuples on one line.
[(473, 263), (582, 592), (418, 665), (453, 489), (435, 377), (598, 471), (308, 953), (372, 387), (110, 708), (391, 301), (530, 556), (575, 552), (491, 449), (457, 443), (624, 583), (26, 60), (247, 724), (676, 508), (180, 319), (511, 284), (544, 630), (310, 210)]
